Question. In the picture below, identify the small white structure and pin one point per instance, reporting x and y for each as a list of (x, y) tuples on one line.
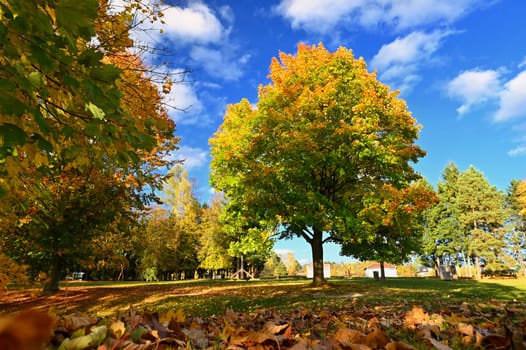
[(374, 269), (326, 270)]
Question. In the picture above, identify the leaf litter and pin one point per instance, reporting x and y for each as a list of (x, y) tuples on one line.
[(352, 326)]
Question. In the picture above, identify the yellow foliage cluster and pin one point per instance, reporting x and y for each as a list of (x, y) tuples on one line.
[(521, 197), (11, 272)]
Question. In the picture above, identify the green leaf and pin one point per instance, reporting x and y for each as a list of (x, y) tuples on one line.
[(12, 134), (35, 78), (107, 73), (45, 145), (44, 60), (92, 129), (71, 153), (90, 57), (75, 18), (10, 105), (41, 122), (90, 341), (95, 111), (67, 131)]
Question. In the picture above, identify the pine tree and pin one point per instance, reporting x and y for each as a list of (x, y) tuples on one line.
[(482, 214)]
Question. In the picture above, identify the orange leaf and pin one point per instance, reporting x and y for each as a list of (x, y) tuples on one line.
[(399, 346), (29, 330), (348, 336), (377, 339)]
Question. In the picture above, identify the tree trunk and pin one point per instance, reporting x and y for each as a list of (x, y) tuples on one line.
[(382, 270), (317, 259), (477, 267), (55, 272)]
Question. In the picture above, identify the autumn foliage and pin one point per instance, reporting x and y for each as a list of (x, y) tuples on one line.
[(325, 139), (351, 327)]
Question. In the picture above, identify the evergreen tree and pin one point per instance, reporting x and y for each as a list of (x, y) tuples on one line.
[(516, 225), (443, 233), (482, 214)]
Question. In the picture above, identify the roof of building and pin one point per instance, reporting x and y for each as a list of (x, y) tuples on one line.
[(377, 266)]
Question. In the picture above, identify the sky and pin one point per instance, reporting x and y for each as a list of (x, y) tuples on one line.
[(459, 64)]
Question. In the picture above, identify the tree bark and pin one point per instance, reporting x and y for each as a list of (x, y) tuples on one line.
[(477, 267), (317, 259), (382, 270), (55, 272)]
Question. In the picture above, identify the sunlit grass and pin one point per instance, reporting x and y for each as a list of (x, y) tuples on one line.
[(213, 297)]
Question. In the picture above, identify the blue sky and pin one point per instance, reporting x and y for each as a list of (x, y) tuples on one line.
[(459, 64)]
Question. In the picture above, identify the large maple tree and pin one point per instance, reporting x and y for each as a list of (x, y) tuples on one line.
[(324, 136)]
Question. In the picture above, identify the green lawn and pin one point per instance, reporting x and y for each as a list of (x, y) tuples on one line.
[(208, 297)]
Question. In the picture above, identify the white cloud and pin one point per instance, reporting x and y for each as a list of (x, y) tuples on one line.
[(411, 13), (316, 15), (202, 32), (193, 24), (185, 107), (512, 103), (473, 87), (398, 62), (517, 151), (219, 63), (193, 157), (323, 16)]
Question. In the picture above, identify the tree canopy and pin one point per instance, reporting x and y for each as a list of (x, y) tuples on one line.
[(83, 130), (324, 137)]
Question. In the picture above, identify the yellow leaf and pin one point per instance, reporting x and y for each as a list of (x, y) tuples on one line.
[(118, 329)]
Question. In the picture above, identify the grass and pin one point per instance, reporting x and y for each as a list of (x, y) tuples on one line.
[(488, 302), (209, 297)]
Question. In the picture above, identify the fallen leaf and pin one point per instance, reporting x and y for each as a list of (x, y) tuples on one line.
[(117, 329), (415, 317), (377, 339), (94, 338), (438, 345), (272, 328), (495, 342), (399, 346), (348, 336), (27, 330)]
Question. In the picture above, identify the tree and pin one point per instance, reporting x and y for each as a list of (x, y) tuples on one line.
[(55, 224), (274, 266), (292, 264), (155, 255), (443, 233), (184, 220), (323, 136), (395, 221), (213, 251), (250, 241), (482, 215), (59, 92), (85, 132), (516, 225), (521, 197)]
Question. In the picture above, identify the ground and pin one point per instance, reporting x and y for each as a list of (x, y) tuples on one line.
[(281, 314)]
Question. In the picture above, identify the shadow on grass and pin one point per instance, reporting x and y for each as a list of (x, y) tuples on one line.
[(207, 297)]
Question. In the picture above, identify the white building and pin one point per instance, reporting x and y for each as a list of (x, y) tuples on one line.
[(326, 270), (389, 270)]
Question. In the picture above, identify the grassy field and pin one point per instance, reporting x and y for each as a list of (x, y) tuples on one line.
[(405, 307), (209, 297)]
